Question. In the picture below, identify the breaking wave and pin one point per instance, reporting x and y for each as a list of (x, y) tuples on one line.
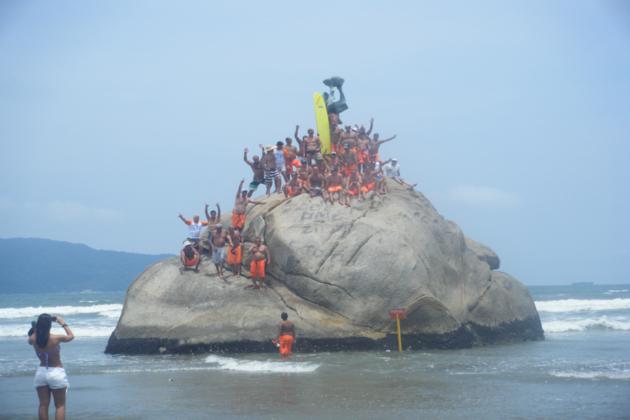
[(259, 366), (578, 374), (111, 310), (583, 324), (582, 305)]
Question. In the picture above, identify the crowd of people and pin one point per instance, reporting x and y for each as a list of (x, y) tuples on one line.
[(350, 169)]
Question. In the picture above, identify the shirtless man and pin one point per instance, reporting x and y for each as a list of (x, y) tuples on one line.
[(349, 159), (286, 336), (213, 218), (260, 259), (300, 142), (235, 251), (240, 206), (292, 188), (257, 169), (313, 147), (348, 137), (334, 187), (271, 171), (374, 145), (290, 157), (353, 186), (219, 239), (316, 182)]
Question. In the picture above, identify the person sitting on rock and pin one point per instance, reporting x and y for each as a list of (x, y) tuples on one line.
[(190, 257), (194, 229), (353, 186), (240, 207), (218, 240), (286, 336), (271, 172), (316, 183), (292, 188), (369, 183), (334, 188), (235, 251), (257, 169), (260, 259), (391, 168)]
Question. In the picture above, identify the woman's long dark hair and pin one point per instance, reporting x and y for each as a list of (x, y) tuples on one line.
[(44, 322)]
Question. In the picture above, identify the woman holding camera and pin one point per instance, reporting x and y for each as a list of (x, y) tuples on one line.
[(50, 376)]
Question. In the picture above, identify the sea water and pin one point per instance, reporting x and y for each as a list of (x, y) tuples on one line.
[(581, 370)]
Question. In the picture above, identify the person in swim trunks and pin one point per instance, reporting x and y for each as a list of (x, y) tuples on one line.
[(313, 148), (190, 257), (260, 259), (50, 377), (257, 169), (240, 207), (212, 218), (286, 336), (334, 187), (271, 171), (219, 239), (235, 251), (316, 182), (292, 188), (290, 157)]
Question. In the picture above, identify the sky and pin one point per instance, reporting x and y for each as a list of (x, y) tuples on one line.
[(512, 117)]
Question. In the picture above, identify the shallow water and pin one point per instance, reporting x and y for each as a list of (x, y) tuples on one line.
[(582, 370)]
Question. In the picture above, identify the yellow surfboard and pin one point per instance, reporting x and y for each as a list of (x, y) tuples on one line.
[(321, 120)]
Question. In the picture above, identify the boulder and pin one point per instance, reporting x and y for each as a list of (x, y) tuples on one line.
[(337, 271), (484, 253)]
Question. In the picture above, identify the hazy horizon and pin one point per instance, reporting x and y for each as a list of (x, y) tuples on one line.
[(512, 118)]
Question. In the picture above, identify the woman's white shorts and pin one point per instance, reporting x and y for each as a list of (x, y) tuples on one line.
[(54, 378)]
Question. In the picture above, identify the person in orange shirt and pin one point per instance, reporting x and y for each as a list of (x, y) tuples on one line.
[(260, 259)]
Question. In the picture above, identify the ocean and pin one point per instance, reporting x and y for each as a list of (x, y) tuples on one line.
[(581, 370)]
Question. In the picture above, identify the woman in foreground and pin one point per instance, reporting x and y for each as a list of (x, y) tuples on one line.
[(50, 376)]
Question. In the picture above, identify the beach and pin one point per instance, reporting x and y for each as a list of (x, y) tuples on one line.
[(581, 370)]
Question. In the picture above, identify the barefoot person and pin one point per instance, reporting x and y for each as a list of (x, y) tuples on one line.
[(286, 336), (260, 259), (218, 240), (235, 251), (257, 169), (271, 171), (50, 377), (240, 207)]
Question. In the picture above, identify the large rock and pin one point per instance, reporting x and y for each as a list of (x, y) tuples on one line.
[(337, 271)]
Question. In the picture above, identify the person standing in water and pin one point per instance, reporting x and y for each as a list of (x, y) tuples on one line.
[(286, 336), (50, 377)]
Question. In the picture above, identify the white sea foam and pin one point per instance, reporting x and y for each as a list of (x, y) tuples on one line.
[(259, 366), (613, 291), (578, 374), (111, 310), (582, 305), (20, 330), (582, 324)]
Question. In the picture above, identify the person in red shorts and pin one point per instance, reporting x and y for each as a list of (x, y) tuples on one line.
[(286, 336), (260, 259), (235, 251)]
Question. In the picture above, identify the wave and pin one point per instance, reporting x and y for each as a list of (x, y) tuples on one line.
[(583, 324), (256, 366), (613, 291), (14, 330), (111, 310), (581, 305), (577, 374)]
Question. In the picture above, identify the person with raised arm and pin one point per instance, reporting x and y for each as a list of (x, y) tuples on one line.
[(257, 169), (50, 377), (218, 241), (240, 206), (374, 146), (194, 229)]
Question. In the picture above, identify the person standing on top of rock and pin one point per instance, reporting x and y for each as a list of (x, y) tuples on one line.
[(286, 336), (290, 157), (313, 148), (257, 169), (194, 229), (212, 219), (235, 251), (240, 206), (271, 171), (219, 239), (280, 160), (260, 259)]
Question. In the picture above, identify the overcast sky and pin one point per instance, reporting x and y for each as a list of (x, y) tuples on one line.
[(512, 117)]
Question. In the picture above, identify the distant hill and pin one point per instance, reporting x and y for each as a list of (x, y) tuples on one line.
[(29, 265)]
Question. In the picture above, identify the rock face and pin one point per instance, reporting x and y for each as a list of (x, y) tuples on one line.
[(337, 271)]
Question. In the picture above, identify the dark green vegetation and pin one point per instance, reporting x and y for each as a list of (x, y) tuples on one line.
[(29, 265)]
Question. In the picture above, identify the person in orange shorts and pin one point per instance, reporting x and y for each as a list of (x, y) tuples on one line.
[(334, 187), (292, 188), (235, 251), (240, 207), (353, 189), (260, 259), (286, 336)]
